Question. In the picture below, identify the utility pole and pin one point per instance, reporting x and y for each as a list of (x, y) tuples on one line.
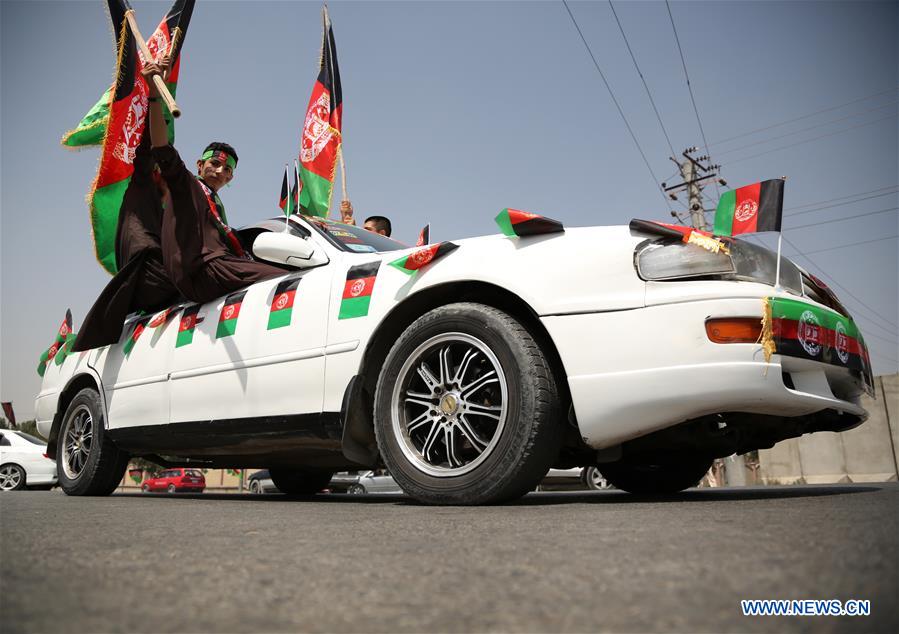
[(695, 177)]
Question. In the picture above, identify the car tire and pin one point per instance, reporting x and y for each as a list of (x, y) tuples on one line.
[(255, 487), (484, 431), (593, 479), (12, 477), (299, 482), (171, 489), (356, 489), (145, 488), (657, 476), (89, 462)]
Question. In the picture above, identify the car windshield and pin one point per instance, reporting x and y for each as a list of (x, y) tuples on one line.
[(30, 438), (352, 238)]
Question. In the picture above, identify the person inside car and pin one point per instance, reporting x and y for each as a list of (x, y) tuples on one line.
[(375, 224), (202, 255)]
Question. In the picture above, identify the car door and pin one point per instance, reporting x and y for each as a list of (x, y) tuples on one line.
[(134, 372), (255, 353)]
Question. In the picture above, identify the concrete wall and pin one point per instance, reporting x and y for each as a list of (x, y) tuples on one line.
[(864, 454)]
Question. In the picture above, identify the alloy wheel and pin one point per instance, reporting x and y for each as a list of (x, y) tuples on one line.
[(79, 436), (10, 477), (449, 404)]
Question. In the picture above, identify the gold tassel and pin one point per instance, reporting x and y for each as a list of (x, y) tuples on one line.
[(767, 336), (709, 243)]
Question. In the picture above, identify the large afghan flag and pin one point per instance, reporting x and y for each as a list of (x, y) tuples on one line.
[(128, 109), (321, 137), (751, 209), (167, 38)]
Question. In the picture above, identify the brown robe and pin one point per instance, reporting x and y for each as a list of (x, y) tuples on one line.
[(197, 258), (141, 282)]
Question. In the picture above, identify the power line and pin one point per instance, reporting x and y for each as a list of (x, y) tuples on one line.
[(814, 127), (620, 111), (645, 85), (689, 87), (806, 116), (784, 147), (848, 202), (825, 222), (848, 292), (851, 244)]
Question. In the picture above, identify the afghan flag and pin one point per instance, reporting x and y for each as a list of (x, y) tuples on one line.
[(139, 326), (282, 303), (424, 237), (797, 329), (282, 200), (62, 334), (65, 350), (321, 137), (167, 38), (295, 190), (685, 234), (751, 209), (228, 317), (360, 282), (411, 263), (9, 413), (187, 325), (513, 222), (128, 110)]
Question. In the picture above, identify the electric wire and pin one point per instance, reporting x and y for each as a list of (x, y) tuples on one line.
[(806, 116), (617, 105), (848, 202), (690, 87), (837, 284), (851, 244), (823, 136), (826, 222), (643, 79), (814, 127)]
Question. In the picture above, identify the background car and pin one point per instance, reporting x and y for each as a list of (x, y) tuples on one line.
[(374, 482), (176, 480), (579, 478), (261, 482), (24, 462)]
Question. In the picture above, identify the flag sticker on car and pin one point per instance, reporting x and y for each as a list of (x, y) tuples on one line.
[(282, 303), (360, 282), (138, 329), (186, 326), (229, 315)]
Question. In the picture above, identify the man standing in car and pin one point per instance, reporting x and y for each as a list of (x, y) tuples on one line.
[(375, 224), (203, 256)]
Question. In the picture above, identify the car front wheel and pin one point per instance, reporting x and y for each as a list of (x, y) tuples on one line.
[(356, 489), (254, 487), (12, 477), (89, 462), (670, 474), (298, 482), (594, 480), (467, 408)]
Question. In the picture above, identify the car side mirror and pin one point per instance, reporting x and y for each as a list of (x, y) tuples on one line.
[(286, 248)]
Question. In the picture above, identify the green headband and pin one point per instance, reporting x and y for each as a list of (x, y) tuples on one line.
[(220, 155)]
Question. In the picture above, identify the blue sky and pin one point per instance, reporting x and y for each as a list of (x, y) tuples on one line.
[(454, 110)]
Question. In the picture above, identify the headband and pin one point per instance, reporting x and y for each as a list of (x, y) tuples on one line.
[(220, 155)]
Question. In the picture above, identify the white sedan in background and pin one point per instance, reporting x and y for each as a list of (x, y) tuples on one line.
[(468, 369), (24, 462)]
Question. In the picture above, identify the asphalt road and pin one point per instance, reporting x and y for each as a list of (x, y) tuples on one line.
[(554, 562)]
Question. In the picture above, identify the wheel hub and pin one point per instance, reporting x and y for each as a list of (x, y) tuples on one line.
[(449, 404)]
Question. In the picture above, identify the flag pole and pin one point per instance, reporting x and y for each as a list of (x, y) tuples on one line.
[(343, 173), (287, 202), (157, 80), (780, 240)]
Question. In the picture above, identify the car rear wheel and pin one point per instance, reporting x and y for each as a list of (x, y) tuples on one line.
[(300, 482), (145, 488), (356, 489), (467, 408), (171, 488), (670, 474), (12, 477), (255, 487), (89, 462)]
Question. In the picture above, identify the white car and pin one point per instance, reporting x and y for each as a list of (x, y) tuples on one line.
[(377, 482), (467, 375), (24, 462)]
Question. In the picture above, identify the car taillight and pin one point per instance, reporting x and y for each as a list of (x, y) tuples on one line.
[(734, 329)]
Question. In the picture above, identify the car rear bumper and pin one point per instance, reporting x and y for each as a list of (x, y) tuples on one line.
[(634, 372)]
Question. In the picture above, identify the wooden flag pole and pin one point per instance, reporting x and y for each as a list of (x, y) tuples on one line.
[(343, 174), (157, 80)]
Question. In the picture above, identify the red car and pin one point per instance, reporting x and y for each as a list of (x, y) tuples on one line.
[(176, 480)]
